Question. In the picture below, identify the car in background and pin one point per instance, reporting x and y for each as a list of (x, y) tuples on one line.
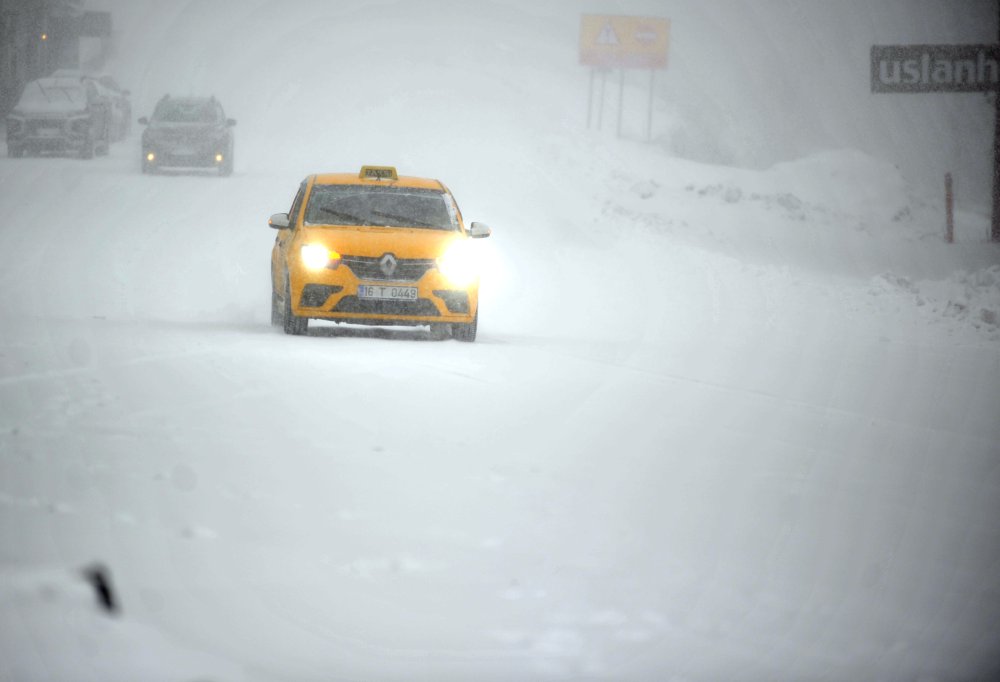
[(187, 133), (375, 248), (60, 114), (118, 97)]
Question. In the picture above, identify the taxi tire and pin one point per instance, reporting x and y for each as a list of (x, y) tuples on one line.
[(275, 308), (290, 322), (466, 332)]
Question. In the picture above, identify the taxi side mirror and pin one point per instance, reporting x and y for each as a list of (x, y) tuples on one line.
[(230, 122), (479, 230), (143, 121), (278, 221)]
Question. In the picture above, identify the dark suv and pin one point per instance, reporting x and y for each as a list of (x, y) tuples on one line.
[(60, 115), (187, 133)]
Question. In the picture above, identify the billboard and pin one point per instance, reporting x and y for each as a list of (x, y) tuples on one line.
[(935, 68), (624, 42)]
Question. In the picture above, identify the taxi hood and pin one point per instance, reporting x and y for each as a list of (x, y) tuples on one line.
[(403, 242)]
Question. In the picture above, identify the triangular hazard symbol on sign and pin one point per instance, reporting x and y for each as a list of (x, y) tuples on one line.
[(607, 36)]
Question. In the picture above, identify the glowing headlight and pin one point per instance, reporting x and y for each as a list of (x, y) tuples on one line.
[(317, 257), (458, 264)]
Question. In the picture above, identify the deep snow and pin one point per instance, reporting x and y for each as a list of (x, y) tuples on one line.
[(721, 422)]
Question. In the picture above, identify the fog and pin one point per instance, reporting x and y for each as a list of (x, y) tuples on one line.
[(733, 411), (747, 84)]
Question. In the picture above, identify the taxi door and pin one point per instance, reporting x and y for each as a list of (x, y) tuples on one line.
[(283, 241)]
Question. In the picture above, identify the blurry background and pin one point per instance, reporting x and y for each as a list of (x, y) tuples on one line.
[(748, 84)]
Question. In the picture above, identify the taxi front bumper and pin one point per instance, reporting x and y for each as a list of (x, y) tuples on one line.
[(340, 295)]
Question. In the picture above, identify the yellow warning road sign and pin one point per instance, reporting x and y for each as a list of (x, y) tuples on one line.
[(624, 42)]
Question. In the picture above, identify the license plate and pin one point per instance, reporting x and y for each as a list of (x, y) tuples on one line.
[(49, 132), (387, 293)]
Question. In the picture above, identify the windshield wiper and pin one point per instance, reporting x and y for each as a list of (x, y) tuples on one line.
[(340, 214), (405, 219)]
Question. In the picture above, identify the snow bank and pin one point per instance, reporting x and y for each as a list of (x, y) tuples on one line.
[(965, 298)]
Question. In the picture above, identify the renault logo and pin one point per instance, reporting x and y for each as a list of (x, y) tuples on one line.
[(387, 264)]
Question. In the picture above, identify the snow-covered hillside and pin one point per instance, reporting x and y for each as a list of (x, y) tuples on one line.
[(722, 421)]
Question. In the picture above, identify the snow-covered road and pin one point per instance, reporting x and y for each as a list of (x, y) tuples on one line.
[(720, 466), (718, 424)]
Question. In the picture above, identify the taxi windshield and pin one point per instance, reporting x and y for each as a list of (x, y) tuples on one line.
[(380, 205)]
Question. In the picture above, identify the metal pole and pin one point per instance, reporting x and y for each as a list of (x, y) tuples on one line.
[(949, 210), (600, 112), (649, 113), (621, 97), (995, 228), (590, 96)]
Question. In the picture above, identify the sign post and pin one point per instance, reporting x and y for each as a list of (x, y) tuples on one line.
[(622, 42), (949, 210), (995, 227), (944, 68)]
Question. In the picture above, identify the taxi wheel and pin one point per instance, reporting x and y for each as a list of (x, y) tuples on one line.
[(466, 332), (292, 323), (275, 308)]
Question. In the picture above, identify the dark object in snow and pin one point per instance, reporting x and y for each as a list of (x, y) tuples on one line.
[(99, 577)]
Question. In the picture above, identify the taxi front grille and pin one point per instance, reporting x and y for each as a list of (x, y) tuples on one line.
[(407, 269), (419, 308)]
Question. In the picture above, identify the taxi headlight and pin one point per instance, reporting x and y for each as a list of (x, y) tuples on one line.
[(459, 264), (317, 257)]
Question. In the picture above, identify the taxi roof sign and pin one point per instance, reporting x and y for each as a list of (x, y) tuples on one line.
[(378, 173)]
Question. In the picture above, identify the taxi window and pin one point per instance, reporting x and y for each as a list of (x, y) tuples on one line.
[(383, 206), (293, 214)]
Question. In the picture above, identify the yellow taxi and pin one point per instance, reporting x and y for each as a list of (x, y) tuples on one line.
[(375, 248)]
